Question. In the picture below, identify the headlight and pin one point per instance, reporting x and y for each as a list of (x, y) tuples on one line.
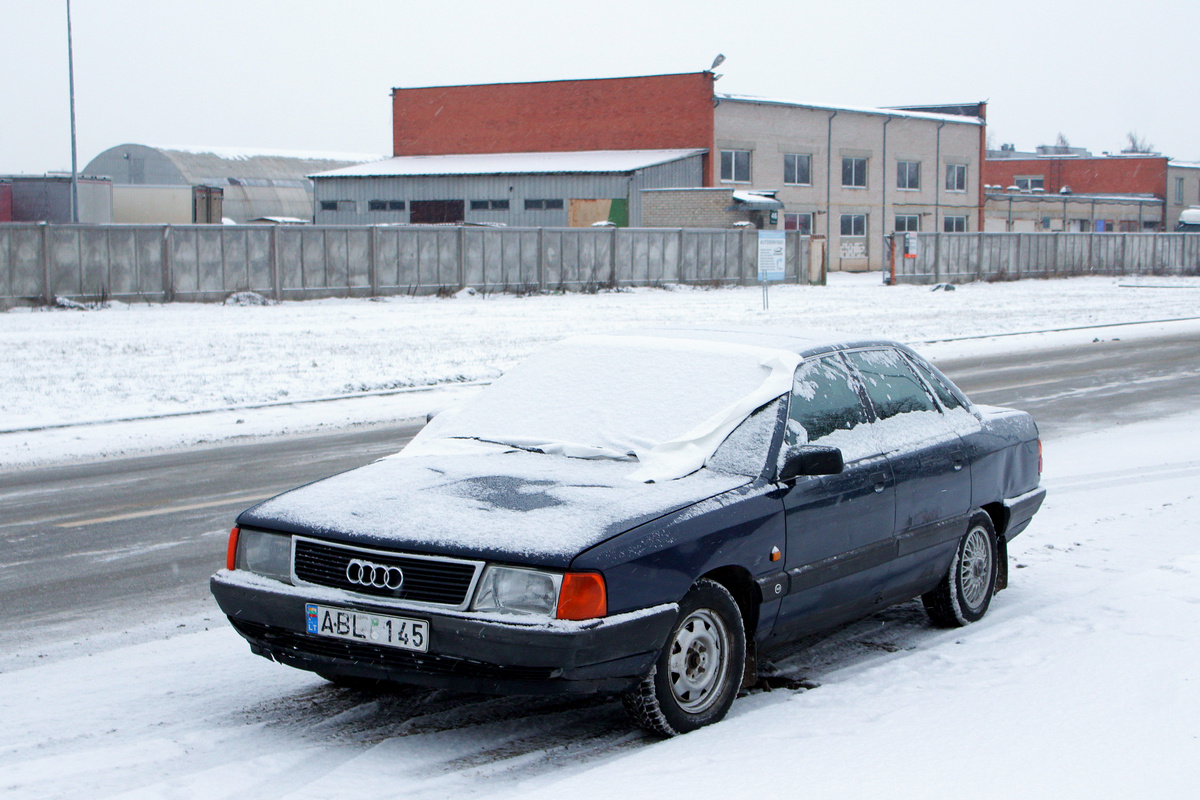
[(518, 591), (266, 554)]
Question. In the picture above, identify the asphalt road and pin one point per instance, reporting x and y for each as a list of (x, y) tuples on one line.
[(113, 544)]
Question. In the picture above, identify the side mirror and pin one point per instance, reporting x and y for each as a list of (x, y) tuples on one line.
[(810, 459)]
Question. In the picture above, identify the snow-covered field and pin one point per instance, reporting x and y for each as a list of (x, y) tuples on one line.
[(1080, 683), (129, 361)]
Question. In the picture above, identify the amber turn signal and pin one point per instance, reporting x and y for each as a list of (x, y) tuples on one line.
[(776, 554), (231, 550), (582, 596)]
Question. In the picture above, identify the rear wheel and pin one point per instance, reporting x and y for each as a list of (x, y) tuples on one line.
[(966, 591), (698, 673)]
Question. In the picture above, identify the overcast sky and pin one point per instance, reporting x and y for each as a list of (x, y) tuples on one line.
[(309, 75)]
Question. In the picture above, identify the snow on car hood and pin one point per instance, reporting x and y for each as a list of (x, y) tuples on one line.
[(503, 504), (663, 401)]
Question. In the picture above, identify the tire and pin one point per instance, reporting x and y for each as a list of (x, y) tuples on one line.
[(699, 671), (964, 594)]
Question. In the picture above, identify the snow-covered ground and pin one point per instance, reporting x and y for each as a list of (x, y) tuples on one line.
[(1080, 683), (62, 367)]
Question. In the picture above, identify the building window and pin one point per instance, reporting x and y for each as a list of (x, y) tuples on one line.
[(385, 205), (908, 223), (329, 205), (797, 169), (496, 205), (908, 175), (854, 224), (956, 177), (538, 205), (395, 205), (1179, 191), (854, 173), (954, 225), (735, 166), (341, 206), (1027, 183), (798, 222)]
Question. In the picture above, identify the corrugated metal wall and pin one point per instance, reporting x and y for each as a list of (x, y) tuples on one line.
[(516, 189), (208, 262)]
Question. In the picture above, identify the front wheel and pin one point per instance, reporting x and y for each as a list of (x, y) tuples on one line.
[(698, 673), (966, 591)]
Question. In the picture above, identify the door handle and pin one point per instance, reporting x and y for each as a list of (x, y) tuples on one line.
[(957, 457), (879, 480)]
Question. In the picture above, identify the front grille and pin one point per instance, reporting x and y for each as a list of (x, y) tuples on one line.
[(426, 580), (282, 643)]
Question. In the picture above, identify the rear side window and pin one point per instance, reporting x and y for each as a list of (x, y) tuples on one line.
[(824, 401), (890, 383), (949, 399)]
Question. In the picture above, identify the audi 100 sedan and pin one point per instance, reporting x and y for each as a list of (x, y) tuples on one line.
[(644, 513)]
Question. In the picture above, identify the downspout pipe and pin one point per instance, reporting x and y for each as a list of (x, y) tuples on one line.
[(829, 192), (883, 214), (938, 178)]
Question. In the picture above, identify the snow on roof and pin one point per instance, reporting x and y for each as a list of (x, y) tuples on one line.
[(885, 112), (757, 200), (245, 154), (585, 161), (1184, 164)]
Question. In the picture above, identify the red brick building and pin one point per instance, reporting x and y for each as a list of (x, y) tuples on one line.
[(656, 112), (1175, 183)]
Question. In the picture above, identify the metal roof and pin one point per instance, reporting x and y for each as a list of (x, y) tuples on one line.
[(584, 161)]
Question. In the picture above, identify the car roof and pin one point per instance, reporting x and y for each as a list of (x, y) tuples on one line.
[(802, 341)]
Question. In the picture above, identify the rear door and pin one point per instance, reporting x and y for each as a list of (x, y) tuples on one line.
[(839, 527), (928, 460)]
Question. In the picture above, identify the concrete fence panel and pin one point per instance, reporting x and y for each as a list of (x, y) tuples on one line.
[(204, 263), (963, 257)]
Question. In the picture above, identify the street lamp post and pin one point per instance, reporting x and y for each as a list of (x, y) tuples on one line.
[(74, 158)]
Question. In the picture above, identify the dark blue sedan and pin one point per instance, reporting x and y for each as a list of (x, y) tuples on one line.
[(645, 513)]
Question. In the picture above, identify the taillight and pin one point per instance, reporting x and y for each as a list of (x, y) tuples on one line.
[(231, 550), (582, 596), (1039, 456)]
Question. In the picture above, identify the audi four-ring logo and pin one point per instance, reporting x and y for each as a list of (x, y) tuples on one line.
[(380, 576)]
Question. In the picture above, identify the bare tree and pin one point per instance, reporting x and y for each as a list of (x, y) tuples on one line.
[(1137, 144), (1062, 143)]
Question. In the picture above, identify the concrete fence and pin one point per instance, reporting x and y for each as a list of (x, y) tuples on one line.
[(204, 263), (966, 257)]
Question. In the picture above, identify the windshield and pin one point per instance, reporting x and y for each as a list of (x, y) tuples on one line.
[(624, 397)]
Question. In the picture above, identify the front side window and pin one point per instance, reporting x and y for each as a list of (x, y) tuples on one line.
[(908, 223), (797, 169), (1027, 183), (735, 166), (908, 174), (854, 172), (798, 222), (956, 177), (825, 407), (954, 225), (854, 224)]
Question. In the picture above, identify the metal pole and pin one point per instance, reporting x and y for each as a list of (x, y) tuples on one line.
[(74, 158)]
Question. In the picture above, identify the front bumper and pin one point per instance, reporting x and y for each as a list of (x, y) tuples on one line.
[(466, 653)]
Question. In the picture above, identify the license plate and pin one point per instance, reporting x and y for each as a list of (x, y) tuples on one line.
[(359, 626)]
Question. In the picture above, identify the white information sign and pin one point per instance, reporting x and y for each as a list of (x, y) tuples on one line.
[(771, 249)]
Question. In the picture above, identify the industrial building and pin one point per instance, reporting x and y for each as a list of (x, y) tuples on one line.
[(850, 175), (210, 184), (556, 190), (1057, 187)]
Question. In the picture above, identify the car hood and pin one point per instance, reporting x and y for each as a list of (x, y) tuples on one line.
[(508, 505)]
